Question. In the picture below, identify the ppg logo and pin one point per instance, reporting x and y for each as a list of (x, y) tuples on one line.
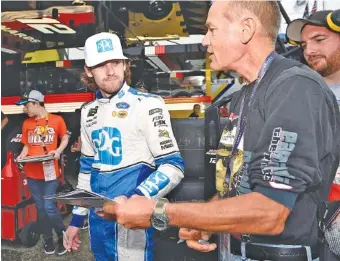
[(155, 182), (108, 142), (104, 45)]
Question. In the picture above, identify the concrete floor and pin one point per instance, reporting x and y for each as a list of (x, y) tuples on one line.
[(166, 249), (16, 252)]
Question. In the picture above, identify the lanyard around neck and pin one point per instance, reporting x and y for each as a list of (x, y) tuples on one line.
[(244, 109), (45, 132), (46, 124)]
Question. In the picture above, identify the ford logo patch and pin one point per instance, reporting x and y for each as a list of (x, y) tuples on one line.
[(122, 105)]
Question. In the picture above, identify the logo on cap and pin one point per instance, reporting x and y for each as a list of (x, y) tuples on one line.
[(104, 45)]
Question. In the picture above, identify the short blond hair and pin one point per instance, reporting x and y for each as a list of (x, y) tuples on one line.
[(268, 13)]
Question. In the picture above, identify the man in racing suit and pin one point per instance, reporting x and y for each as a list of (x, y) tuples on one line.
[(127, 148)]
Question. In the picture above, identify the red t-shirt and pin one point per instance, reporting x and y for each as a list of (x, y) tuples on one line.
[(335, 188), (49, 129)]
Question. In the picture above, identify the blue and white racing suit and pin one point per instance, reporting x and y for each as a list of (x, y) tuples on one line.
[(128, 147)]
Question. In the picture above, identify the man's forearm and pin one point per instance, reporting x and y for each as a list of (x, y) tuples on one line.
[(24, 150), (4, 122), (253, 213), (63, 143)]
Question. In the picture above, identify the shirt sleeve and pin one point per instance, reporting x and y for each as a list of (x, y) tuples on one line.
[(24, 137), (295, 135), (86, 160), (156, 128), (62, 129)]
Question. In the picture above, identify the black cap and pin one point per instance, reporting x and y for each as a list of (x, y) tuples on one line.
[(295, 28)]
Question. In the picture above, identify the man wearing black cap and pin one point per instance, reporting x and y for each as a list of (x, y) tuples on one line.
[(320, 40), (319, 36)]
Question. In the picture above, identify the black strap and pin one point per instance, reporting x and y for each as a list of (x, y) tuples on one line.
[(274, 253), (43, 144), (246, 104), (44, 147), (279, 65)]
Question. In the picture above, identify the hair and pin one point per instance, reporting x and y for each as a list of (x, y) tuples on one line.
[(90, 83), (268, 12), (197, 105)]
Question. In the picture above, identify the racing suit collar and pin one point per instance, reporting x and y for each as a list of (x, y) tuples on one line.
[(122, 90)]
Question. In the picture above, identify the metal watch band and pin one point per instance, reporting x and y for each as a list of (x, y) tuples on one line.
[(160, 206)]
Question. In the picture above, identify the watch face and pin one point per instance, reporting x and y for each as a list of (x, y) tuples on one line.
[(160, 222)]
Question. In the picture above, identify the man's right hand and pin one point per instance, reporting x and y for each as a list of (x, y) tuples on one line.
[(71, 239), (191, 236), (21, 156)]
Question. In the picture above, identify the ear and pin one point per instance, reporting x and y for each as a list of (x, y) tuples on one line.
[(248, 29), (124, 65), (88, 71)]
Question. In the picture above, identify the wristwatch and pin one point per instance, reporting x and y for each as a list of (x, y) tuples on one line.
[(159, 219)]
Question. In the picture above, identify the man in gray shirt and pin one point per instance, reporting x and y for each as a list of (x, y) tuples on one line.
[(278, 145)]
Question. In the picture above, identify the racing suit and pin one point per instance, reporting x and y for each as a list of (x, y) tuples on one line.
[(128, 148)]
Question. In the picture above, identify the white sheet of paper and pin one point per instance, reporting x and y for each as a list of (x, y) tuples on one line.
[(49, 170)]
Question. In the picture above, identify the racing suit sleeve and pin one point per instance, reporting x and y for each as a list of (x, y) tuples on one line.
[(295, 135), (86, 160), (157, 130)]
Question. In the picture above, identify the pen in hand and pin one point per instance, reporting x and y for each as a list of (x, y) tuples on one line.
[(201, 241)]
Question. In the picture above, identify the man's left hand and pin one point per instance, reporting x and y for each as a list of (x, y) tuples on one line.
[(133, 213), (56, 154), (192, 237)]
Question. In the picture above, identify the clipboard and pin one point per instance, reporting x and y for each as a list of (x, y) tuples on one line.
[(81, 198), (40, 158)]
